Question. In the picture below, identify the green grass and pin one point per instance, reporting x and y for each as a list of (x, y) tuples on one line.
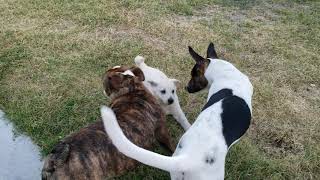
[(53, 54)]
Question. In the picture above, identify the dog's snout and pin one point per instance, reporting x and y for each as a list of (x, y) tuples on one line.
[(170, 101), (188, 89)]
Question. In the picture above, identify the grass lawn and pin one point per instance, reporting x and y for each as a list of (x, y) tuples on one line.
[(53, 55)]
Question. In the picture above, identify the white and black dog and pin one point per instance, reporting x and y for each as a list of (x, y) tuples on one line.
[(201, 152), (164, 89)]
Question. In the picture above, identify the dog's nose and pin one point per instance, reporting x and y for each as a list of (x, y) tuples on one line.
[(170, 101)]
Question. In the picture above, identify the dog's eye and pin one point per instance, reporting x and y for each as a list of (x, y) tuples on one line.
[(163, 91), (172, 91)]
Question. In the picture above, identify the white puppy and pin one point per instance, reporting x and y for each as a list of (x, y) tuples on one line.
[(201, 152), (164, 89)]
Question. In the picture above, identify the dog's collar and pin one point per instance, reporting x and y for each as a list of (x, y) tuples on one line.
[(121, 92), (223, 93)]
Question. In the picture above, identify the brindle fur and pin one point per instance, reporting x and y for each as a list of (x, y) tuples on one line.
[(90, 154)]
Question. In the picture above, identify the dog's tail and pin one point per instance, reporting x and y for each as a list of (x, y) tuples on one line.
[(125, 146), (139, 60)]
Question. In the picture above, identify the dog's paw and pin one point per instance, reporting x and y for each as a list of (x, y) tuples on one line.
[(139, 60)]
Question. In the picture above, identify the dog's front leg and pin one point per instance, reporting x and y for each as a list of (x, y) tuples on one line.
[(163, 136), (178, 114)]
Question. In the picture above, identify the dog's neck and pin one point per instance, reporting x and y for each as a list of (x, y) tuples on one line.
[(218, 73), (209, 75), (120, 92)]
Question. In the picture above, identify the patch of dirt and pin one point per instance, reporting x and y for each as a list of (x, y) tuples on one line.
[(203, 14), (295, 103), (277, 142), (114, 33), (234, 15), (24, 24), (310, 90), (62, 26), (293, 125)]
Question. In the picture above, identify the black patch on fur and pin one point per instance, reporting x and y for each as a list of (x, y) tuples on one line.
[(182, 176), (236, 117), (223, 93)]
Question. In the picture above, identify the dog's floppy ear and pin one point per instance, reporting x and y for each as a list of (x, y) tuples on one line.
[(176, 82), (195, 55), (211, 52), (138, 72), (152, 83)]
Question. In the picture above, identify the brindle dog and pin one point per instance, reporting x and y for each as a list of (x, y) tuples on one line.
[(89, 153)]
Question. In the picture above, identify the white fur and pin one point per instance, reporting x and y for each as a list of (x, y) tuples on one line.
[(163, 83), (128, 72), (225, 75), (116, 67), (203, 139), (127, 147)]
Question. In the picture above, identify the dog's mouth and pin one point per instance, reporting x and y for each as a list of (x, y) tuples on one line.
[(192, 90), (197, 84), (162, 101)]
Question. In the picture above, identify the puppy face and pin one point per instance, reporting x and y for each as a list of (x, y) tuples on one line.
[(198, 80), (165, 91), (121, 77)]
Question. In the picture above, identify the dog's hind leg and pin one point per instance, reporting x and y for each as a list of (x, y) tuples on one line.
[(162, 135)]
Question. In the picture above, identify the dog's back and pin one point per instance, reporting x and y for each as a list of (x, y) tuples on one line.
[(89, 153), (153, 73), (146, 112), (82, 155), (228, 76)]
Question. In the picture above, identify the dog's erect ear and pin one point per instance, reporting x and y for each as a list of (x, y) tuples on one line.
[(195, 55), (139, 60), (211, 52), (138, 72), (176, 82), (152, 83)]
